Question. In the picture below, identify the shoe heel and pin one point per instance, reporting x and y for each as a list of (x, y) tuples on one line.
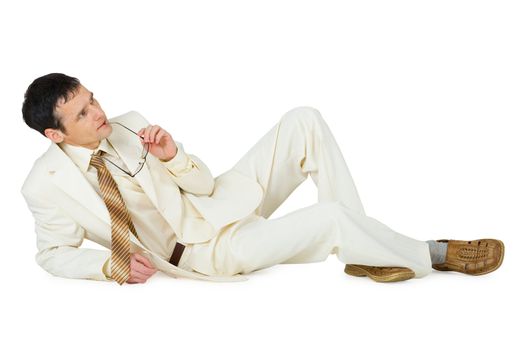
[(354, 271)]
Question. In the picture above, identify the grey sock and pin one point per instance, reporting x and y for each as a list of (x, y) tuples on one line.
[(438, 251)]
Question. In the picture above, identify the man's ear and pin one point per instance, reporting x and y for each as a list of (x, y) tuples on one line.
[(54, 135)]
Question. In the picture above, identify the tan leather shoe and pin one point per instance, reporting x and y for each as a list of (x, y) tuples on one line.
[(380, 273), (476, 257)]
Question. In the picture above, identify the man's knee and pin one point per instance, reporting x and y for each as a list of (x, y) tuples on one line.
[(302, 113)]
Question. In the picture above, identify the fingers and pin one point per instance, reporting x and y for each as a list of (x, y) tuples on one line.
[(152, 134), (141, 269), (160, 143), (141, 134), (159, 135), (142, 259), (136, 276), (151, 131), (142, 264)]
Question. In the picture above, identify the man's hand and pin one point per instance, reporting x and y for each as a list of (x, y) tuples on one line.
[(161, 144), (141, 269)]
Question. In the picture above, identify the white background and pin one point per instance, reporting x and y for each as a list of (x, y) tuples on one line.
[(424, 97)]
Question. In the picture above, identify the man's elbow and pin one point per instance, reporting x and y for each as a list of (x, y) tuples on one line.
[(211, 187), (46, 259), (208, 188)]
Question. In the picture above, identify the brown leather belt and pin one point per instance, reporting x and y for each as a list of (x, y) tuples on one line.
[(177, 253)]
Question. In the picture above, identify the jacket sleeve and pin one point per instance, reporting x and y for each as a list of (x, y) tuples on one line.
[(187, 170), (190, 173), (58, 242)]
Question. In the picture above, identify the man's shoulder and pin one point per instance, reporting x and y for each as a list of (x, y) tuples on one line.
[(35, 177)]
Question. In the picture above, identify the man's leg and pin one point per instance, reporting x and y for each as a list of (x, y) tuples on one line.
[(311, 234), (301, 143)]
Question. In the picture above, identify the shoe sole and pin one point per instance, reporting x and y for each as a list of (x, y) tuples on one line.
[(357, 271)]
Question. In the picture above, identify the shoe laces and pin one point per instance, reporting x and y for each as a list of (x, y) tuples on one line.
[(474, 253)]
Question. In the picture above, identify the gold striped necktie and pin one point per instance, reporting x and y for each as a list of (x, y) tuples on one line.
[(120, 221)]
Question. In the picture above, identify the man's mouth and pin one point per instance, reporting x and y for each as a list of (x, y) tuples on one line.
[(103, 124)]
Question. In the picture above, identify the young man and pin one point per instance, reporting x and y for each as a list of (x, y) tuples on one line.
[(128, 186)]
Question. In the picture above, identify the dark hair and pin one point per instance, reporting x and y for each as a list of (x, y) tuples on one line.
[(41, 98)]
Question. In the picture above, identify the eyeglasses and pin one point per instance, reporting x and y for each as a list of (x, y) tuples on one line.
[(144, 154)]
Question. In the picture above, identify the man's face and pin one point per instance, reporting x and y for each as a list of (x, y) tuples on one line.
[(84, 120)]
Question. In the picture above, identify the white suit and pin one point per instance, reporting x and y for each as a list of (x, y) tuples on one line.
[(233, 234)]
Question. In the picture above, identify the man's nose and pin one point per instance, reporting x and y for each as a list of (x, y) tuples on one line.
[(97, 113)]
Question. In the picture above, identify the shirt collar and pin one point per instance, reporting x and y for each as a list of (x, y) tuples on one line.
[(81, 156)]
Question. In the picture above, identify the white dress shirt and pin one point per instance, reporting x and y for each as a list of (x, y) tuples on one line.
[(152, 229)]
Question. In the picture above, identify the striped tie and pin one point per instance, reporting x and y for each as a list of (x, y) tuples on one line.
[(120, 221)]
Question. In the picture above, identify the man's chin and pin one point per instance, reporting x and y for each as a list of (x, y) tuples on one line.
[(106, 130)]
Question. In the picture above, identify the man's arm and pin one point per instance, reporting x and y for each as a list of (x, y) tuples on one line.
[(58, 242), (189, 172)]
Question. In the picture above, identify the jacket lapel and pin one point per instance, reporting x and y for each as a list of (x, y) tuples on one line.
[(152, 178), (68, 177)]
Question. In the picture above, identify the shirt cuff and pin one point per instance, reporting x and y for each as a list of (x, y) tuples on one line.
[(181, 163), (106, 269)]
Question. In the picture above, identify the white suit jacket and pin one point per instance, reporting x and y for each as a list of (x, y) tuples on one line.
[(68, 210)]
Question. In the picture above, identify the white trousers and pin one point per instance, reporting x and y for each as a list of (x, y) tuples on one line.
[(301, 143)]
